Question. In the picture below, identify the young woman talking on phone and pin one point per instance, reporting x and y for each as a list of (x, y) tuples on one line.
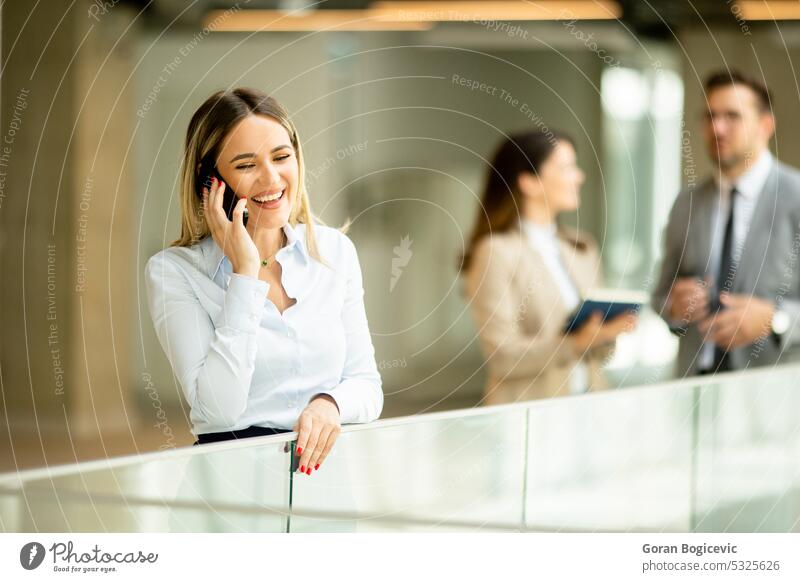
[(259, 308)]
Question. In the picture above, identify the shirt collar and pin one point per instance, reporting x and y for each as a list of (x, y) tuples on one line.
[(539, 230), (752, 181), (215, 258)]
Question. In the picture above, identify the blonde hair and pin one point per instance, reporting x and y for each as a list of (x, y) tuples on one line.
[(207, 130)]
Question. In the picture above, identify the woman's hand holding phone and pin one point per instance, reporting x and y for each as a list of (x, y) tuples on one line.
[(231, 236)]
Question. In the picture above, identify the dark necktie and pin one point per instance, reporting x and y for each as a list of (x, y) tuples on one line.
[(727, 272)]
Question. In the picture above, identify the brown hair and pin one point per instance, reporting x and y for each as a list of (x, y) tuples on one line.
[(501, 202), (726, 78), (207, 130)]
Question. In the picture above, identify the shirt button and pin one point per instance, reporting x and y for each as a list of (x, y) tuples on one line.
[(254, 317), (290, 332)]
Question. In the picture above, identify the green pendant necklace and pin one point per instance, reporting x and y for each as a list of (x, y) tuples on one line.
[(271, 259)]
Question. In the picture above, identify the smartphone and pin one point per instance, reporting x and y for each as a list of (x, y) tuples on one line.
[(229, 198)]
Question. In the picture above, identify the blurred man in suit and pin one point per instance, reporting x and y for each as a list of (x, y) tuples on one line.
[(729, 284)]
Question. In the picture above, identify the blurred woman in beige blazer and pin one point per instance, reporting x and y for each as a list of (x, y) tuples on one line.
[(525, 275)]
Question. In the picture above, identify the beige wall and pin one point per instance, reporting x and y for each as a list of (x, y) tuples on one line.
[(66, 245), (36, 235), (770, 53)]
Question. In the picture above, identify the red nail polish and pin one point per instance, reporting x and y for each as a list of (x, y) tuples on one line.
[(308, 472), (302, 468), (299, 450), (316, 468)]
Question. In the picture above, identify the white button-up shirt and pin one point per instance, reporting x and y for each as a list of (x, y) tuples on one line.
[(240, 361), (749, 187), (544, 240)]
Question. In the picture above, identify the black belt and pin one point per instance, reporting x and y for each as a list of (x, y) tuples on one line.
[(249, 432)]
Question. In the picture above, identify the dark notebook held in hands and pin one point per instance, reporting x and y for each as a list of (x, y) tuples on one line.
[(610, 303)]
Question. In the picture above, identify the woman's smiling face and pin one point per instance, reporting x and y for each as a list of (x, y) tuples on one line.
[(257, 162)]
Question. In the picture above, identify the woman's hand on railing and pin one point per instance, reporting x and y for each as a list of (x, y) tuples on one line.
[(317, 429)]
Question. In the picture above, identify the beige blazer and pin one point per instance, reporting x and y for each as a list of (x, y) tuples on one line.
[(520, 315)]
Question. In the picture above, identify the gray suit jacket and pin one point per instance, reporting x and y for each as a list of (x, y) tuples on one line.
[(768, 267)]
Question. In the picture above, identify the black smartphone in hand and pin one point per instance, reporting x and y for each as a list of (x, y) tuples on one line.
[(229, 198)]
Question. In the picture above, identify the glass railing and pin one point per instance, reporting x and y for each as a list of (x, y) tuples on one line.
[(714, 453)]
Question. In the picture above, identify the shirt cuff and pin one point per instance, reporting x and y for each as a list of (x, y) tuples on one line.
[(318, 394), (244, 303), (349, 397)]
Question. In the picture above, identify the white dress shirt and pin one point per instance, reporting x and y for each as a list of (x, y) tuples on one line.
[(544, 240), (748, 186), (239, 361)]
